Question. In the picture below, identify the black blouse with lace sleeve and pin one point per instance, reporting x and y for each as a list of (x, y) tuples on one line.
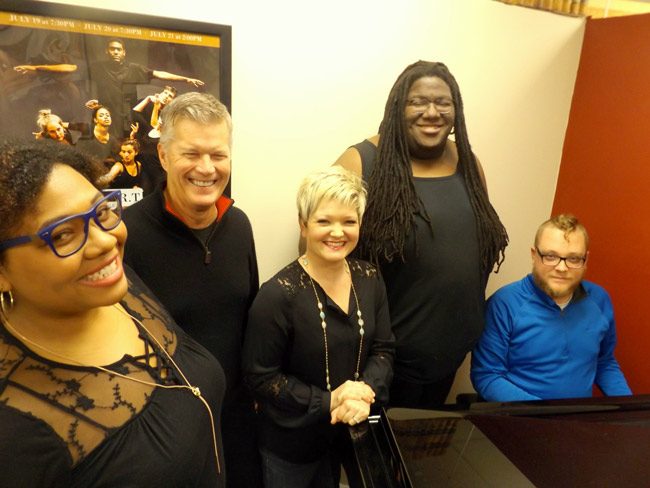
[(69, 426), (284, 356)]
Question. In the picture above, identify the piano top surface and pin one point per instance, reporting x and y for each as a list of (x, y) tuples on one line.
[(583, 442)]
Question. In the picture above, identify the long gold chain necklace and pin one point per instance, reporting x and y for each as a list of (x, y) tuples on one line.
[(323, 323), (187, 386)]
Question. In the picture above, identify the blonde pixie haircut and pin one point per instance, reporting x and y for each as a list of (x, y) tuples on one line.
[(334, 183)]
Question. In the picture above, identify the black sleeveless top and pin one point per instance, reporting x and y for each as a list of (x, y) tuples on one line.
[(125, 180), (436, 297)]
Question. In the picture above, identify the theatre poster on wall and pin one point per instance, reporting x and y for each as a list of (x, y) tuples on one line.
[(99, 80)]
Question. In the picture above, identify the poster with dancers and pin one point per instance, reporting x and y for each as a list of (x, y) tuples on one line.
[(99, 80)]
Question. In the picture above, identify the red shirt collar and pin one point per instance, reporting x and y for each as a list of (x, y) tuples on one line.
[(223, 203)]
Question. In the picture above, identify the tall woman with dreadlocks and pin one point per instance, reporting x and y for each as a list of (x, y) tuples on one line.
[(430, 227)]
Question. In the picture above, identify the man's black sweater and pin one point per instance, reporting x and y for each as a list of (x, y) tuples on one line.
[(208, 286)]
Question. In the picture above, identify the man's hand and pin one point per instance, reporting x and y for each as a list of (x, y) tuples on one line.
[(194, 81), (24, 69)]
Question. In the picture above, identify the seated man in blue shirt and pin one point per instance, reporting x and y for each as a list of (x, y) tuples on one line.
[(551, 334)]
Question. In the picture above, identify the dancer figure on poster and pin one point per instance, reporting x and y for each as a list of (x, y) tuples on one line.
[(52, 127), (127, 172), (100, 143), (153, 105), (102, 120), (48, 70), (148, 114), (115, 83)]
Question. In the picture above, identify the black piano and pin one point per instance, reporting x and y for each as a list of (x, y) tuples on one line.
[(595, 442)]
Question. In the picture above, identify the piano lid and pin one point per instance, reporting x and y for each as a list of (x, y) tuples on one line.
[(444, 449), (567, 443)]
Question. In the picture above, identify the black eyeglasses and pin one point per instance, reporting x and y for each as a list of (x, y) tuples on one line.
[(443, 105), (68, 235), (573, 262)]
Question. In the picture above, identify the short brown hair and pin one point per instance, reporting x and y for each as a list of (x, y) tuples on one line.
[(131, 142), (567, 223)]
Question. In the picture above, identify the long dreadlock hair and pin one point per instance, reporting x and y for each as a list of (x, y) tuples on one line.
[(392, 199)]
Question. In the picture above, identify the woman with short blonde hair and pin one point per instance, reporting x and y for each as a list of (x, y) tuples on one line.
[(319, 348)]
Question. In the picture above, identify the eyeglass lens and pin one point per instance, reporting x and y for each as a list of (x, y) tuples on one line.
[(571, 261), (421, 104), (70, 235)]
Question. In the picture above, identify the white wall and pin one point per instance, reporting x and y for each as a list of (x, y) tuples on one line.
[(310, 79)]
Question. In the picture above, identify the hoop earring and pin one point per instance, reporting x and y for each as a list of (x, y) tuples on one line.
[(3, 302)]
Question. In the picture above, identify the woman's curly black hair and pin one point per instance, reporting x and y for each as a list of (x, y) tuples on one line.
[(25, 167)]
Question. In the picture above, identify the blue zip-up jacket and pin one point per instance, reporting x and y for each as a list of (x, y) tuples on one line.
[(531, 349)]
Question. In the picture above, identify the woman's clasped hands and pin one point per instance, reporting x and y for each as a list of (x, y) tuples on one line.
[(350, 402)]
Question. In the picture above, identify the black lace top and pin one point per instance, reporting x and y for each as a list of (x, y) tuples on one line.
[(284, 356), (62, 425)]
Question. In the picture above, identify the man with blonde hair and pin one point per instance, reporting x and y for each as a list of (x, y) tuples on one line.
[(551, 334), (194, 249)]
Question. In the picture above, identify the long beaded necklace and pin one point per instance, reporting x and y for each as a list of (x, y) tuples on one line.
[(187, 386), (323, 323)]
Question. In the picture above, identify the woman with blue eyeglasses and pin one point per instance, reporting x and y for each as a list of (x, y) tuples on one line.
[(98, 386)]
